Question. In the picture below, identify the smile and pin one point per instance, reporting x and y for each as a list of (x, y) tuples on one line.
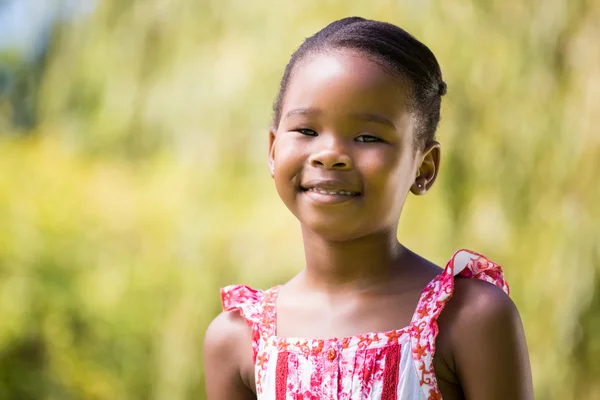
[(323, 197), (332, 192)]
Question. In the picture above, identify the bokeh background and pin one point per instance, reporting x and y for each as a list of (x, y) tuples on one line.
[(134, 179)]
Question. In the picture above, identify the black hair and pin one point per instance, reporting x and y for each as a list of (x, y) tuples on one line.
[(397, 51)]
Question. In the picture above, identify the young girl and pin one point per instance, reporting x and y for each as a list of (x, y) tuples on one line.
[(353, 133)]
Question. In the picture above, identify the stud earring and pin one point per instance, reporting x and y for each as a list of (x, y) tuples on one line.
[(420, 185)]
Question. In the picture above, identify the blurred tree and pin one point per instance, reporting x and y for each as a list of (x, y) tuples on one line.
[(144, 188)]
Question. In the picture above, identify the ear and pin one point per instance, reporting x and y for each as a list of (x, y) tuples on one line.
[(272, 138), (428, 169)]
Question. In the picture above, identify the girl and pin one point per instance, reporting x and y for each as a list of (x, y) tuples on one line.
[(353, 133)]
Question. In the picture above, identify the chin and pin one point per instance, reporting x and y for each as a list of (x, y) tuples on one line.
[(333, 231)]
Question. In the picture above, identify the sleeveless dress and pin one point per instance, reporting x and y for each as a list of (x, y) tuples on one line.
[(397, 364)]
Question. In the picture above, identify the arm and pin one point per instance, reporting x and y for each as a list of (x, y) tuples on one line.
[(487, 343), (228, 358)]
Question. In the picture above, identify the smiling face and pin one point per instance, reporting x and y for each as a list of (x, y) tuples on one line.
[(343, 153)]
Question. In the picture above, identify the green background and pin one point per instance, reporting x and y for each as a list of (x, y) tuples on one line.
[(134, 182)]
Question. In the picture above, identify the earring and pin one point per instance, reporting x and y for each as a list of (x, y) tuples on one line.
[(419, 185)]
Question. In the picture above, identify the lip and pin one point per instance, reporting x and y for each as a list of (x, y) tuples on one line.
[(329, 185)]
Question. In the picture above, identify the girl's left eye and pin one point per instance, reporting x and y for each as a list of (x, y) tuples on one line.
[(367, 138)]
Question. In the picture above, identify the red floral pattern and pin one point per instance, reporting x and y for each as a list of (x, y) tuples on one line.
[(358, 367)]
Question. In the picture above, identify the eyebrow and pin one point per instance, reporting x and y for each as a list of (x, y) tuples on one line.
[(377, 118), (309, 111), (368, 117)]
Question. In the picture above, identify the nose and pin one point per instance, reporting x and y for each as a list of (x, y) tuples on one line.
[(331, 157)]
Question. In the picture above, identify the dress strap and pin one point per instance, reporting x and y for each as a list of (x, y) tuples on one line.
[(424, 327), (257, 308)]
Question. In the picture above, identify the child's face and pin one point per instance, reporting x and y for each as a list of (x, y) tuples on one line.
[(345, 127)]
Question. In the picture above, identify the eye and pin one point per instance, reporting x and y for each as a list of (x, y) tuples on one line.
[(307, 132), (367, 139)]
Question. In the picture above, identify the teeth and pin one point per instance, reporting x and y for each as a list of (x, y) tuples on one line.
[(331, 192)]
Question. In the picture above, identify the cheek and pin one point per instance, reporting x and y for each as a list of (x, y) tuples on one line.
[(381, 169), (288, 151), (388, 175), (289, 161)]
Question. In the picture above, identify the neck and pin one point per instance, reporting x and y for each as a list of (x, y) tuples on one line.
[(357, 264)]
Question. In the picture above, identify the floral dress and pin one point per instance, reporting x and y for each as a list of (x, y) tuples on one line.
[(397, 364)]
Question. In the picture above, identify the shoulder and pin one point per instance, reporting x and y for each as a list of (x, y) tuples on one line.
[(229, 336), (228, 353), (225, 332), (228, 344), (478, 312), (482, 341), (477, 300), (476, 309)]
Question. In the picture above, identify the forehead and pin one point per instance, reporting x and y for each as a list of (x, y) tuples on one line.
[(345, 82)]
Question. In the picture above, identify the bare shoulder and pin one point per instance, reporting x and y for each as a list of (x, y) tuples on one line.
[(225, 331), (482, 342), (478, 311), (479, 301), (228, 365)]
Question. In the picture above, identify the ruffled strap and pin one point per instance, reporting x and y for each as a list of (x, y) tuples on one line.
[(257, 307), (424, 327), (246, 300), (469, 264)]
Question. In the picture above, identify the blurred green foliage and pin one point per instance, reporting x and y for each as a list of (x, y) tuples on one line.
[(143, 186)]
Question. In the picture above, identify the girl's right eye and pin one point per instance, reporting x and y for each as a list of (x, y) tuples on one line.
[(307, 132)]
